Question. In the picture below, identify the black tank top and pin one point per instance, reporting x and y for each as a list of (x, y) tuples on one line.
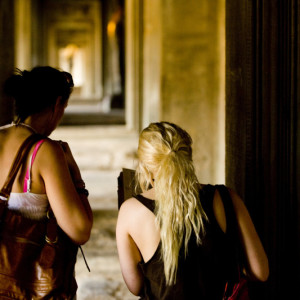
[(202, 274)]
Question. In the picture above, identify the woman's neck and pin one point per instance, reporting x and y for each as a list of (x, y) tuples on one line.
[(37, 124), (150, 194), (25, 125), (41, 122)]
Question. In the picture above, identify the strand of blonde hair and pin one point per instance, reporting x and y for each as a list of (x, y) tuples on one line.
[(178, 208)]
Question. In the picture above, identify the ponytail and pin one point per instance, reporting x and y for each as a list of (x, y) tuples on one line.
[(165, 149)]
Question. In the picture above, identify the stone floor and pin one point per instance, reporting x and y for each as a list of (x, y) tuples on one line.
[(101, 152)]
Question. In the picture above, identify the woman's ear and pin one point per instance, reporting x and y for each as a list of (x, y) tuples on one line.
[(56, 109), (57, 103)]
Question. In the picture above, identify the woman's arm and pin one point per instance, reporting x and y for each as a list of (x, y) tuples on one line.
[(254, 251), (258, 266), (129, 254), (76, 177), (72, 210)]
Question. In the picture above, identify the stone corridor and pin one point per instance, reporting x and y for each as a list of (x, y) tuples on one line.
[(101, 153)]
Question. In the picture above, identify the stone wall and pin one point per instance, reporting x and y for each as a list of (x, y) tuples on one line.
[(189, 48)]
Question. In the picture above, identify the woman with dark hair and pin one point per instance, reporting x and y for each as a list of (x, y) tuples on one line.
[(172, 239), (50, 175)]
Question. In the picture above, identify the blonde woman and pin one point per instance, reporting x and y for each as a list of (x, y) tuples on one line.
[(172, 238)]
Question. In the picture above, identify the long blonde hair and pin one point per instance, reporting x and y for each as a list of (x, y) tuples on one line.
[(165, 154)]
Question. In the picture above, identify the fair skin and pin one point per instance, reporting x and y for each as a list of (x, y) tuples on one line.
[(54, 173), (138, 237)]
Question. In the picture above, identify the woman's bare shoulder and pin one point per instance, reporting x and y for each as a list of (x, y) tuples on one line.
[(130, 206), (51, 149), (132, 213), (50, 144), (51, 158)]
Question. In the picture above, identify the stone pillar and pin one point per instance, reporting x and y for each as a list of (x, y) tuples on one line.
[(133, 62), (6, 55), (262, 132), (152, 63), (23, 19), (176, 73), (192, 78)]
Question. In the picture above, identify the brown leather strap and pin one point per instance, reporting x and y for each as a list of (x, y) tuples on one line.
[(47, 258), (19, 159), (51, 234)]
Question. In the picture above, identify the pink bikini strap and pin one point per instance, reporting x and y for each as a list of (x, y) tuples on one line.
[(27, 180)]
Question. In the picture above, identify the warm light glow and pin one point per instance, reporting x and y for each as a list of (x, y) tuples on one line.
[(111, 28), (71, 60), (69, 51)]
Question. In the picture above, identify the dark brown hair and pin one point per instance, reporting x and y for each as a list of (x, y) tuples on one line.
[(38, 89)]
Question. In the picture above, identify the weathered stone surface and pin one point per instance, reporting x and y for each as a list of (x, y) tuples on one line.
[(192, 89)]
